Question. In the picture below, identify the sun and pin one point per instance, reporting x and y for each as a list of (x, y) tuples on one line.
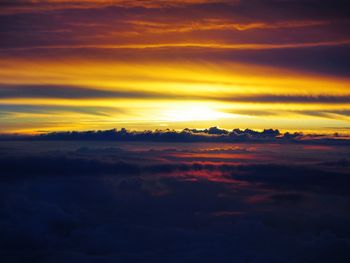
[(193, 112)]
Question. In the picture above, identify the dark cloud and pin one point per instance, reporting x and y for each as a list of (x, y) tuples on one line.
[(74, 92), (272, 176), (83, 205), (85, 29), (35, 109), (287, 198), (294, 178), (324, 60), (330, 114), (67, 92), (300, 9), (212, 134), (331, 99)]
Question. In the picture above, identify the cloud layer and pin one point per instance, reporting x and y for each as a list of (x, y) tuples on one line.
[(125, 202), (212, 134)]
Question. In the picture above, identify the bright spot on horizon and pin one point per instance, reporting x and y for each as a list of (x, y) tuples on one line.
[(193, 112)]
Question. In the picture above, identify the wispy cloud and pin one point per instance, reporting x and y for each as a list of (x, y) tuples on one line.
[(224, 46)]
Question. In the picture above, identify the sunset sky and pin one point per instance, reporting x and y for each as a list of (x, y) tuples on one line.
[(177, 131), (79, 65)]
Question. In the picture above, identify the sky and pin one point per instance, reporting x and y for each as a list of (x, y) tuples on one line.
[(80, 65)]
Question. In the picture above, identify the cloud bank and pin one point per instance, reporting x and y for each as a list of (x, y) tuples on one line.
[(212, 134), (131, 202)]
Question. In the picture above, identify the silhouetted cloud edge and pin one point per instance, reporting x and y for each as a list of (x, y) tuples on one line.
[(212, 134)]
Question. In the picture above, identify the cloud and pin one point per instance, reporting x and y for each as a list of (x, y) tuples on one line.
[(67, 205), (298, 178), (247, 31), (186, 45), (249, 8), (329, 114), (261, 98), (8, 110), (77, 92), (212, 134), (71, 92), (91, 27), (25, 6)]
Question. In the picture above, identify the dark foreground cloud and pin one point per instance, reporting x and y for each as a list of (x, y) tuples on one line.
[(273, 176), (127, 204)]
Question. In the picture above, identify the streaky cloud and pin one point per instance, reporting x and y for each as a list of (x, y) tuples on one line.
[(190, 45), (77, 92), (262, 98), (71, 92)]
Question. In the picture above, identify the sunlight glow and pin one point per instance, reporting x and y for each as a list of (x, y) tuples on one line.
[(78, 94), (192, 112)]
